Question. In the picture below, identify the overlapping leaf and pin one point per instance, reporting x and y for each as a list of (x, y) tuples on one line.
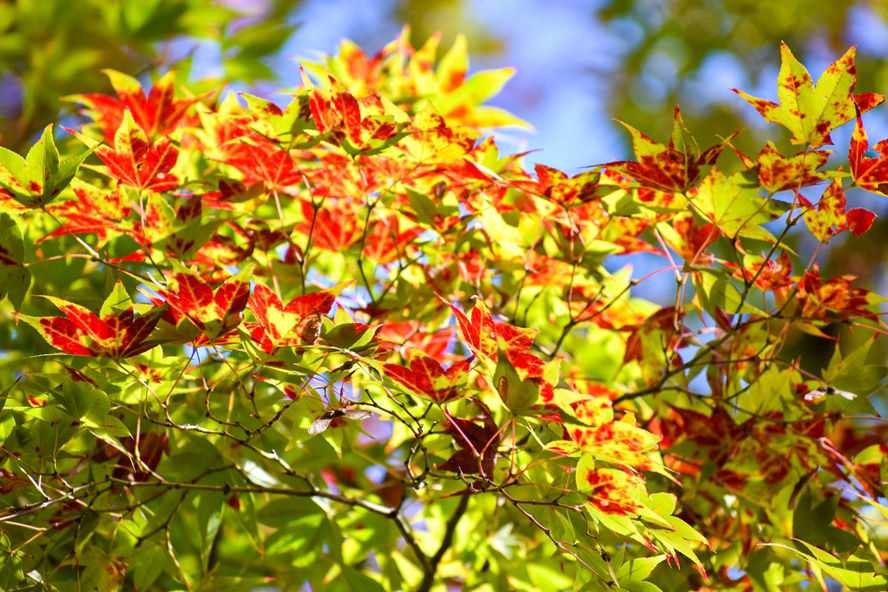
[(157, 114), (278, 325), (15, 279), (673, 168), (95, 211), (426, 377), (212, 313), (870, 173), (477, 440), (118, 332), (138, 163)]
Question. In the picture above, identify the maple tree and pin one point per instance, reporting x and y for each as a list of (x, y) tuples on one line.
[(345, 343)]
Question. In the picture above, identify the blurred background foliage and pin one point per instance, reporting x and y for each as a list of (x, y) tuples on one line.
[(53, 48), (579, 62), (636, 59)]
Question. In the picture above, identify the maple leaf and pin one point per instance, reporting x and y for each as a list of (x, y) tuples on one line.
[(477, 441), (426, 377), (430, 139), (136, 162), (732, 203), (258, 159), (213, 313), (268, 121), (280, 325), (868, 173), (829, 218), (567, 191), (690, 240), (385, 243), (485, 337), (617, 442), (15, 278), (39, 178), (818, 298), (333, 227), (674, 168), (117, 332), (362, 126), (778, 173), (95, 211), (610, 491), (157, 114), (811, 112)]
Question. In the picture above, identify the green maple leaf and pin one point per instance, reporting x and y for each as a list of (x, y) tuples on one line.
[(39, 178)]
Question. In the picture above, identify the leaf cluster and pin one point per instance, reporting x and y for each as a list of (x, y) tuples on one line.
[(344, 342)]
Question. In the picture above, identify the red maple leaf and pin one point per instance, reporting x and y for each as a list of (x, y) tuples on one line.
[(95, 211), (426, 377), (279, 325), (869, 173), (213, 312), (334, 226), (676, 167), (385, 243), (778, 173), (359, 124), (136, 162), (567, 191), (829, 218), (118, 333), (818, 298), (157, 114), (485, 337), (692, 240), (257, 159)]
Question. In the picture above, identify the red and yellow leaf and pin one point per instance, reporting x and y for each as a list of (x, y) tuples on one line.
[(810, 112), (778, 173), (278, 325), (426, 377), (829, 217), (140, 164), (158, 114), (118, 333), (869, 173), (673, 168)]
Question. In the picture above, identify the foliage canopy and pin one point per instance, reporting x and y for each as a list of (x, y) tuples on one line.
[(347, 343)]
